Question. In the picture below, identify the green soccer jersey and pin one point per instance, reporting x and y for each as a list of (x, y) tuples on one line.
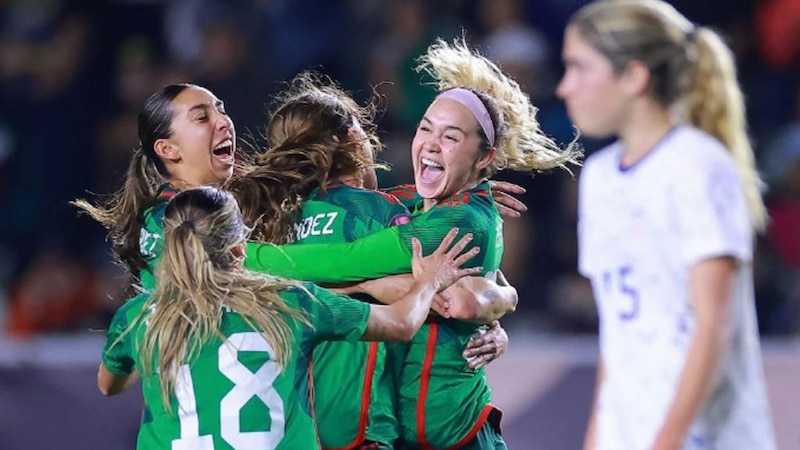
[(442, 402), (234, 395), (388, 252), (406, 193), (353, 395), (151, 236)]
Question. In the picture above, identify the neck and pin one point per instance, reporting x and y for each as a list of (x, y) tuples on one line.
[(347, 180), (180, 184), (429, 203), (647, 124)]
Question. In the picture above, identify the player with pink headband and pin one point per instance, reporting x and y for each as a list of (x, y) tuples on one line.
[(481, 122)]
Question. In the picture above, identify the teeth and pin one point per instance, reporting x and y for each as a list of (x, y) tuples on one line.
[(430, 162), (223, 144)]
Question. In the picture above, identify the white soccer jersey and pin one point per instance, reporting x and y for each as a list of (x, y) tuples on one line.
[(640, 230)]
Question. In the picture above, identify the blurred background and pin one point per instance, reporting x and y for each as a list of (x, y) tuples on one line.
[(74, 74)]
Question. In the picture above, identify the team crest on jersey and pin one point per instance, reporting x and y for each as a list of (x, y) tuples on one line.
[(400, 219)]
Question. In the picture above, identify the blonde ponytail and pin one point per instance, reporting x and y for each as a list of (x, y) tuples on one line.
[(714, 103), (692, 72), (200, 275)]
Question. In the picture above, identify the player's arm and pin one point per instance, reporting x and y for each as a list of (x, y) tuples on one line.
[(710, 287), (590, 439), (387, 290), (377, 255), (401, 320), (472, 299), (386, 252), (479, 299), (112, 384), (117, 371)]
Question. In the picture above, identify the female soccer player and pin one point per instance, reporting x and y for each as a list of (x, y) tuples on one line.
[(480, 123), (220, 349), (667, 217), (316, 183), (187, 139)]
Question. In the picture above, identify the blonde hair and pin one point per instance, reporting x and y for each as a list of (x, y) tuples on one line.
[(198, 276), (692, 72), (520, 142)]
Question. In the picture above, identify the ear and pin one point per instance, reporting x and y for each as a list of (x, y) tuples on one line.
[(239, 253), (166, 150), (636, 78), (487, 159)]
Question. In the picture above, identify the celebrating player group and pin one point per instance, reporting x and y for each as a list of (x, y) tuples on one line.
[(283, 300)]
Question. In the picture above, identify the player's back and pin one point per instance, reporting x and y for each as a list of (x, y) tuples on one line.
[(232, 395), (344, 214), (353, 394)]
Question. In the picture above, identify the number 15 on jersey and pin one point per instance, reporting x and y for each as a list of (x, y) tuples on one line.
[(618, 286)]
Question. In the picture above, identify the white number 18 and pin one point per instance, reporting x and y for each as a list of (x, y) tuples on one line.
[(246, 386)]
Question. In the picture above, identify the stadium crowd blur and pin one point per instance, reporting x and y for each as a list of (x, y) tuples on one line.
[(74, 74)]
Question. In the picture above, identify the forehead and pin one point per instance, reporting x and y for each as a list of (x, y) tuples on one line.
[(576, 46), (193, 96), (448, 112)]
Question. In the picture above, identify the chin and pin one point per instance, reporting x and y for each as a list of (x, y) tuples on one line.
[(426, 191), (594, 131)]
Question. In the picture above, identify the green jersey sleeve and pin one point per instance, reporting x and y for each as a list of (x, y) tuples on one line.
[(334, 317), (117, 354), (389, 251), (377, 255)]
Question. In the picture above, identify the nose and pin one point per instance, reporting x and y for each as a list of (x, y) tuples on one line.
[(223, 122), (431, 144), (563, 87)]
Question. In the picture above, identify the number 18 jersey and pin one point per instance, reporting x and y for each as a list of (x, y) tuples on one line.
[(234, 395)]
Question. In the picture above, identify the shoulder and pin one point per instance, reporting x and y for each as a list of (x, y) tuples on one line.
[(403, 191), (156, 210), (164, 195), (128, 311), (692, 145), (348, 193), (135, 304), (694, 156), (480, 195), (603, 160)]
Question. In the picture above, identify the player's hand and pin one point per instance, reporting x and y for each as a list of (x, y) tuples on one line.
[(441, 305), (443, 267), (484, 348), (507, 205)]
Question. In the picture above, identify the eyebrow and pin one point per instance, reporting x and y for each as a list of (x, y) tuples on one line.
[(201, 106), (218, 104), (447, 127)]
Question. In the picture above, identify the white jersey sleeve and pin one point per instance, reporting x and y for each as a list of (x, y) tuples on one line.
[(710, 207)]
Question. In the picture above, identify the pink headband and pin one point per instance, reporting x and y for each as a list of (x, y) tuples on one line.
[(475, 106)]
